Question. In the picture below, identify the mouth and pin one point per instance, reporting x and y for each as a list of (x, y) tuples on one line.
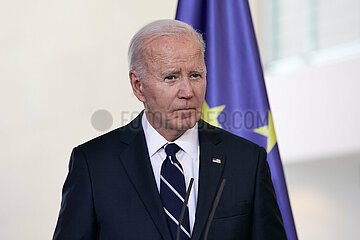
[(185, 109), (185, 112)]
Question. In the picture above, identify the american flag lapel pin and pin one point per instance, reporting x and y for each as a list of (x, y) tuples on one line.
[(216, 160)]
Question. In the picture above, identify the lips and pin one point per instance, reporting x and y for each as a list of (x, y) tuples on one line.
[(187, 112), (185, 109)]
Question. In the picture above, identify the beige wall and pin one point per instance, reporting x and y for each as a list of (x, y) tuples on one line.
[(60, 61)]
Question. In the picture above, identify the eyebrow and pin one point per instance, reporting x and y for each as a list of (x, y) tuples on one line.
[(177, 72), (200, 70), (171, 73)]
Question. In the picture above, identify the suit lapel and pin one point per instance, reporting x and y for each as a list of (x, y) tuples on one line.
[(210, 173), (136, 161)]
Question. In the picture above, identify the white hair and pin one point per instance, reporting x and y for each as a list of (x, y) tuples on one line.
[(166, 27)]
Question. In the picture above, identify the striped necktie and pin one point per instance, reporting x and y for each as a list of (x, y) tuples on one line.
[(173, 191)]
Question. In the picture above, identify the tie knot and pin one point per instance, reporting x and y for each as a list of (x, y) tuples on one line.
[(171, 149)]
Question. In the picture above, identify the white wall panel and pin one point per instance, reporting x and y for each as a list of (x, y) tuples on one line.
[(316, 109)]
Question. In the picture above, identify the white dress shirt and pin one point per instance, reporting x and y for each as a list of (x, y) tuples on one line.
[(188, 156)]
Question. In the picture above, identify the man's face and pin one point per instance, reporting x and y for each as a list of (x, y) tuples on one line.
[(174, 85)]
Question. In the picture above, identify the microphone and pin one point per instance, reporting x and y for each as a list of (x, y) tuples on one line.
[(182, 213), (215, 204)]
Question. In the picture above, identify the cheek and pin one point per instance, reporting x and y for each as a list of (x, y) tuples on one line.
[(160, 99), (151, 93), (200, 91)]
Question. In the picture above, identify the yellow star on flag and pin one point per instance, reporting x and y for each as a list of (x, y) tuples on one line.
[(210, 115), (269, 132)]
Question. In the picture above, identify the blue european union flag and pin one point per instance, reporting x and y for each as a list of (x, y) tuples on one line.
[(236, 98)]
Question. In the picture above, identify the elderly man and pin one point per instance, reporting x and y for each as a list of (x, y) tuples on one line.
[(131, 182)]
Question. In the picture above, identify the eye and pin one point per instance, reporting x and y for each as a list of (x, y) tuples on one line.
[(170, 78), (195, 75)]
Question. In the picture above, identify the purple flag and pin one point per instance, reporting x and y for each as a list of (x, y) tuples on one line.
[(236, 97)]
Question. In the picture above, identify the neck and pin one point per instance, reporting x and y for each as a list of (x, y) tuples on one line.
[(170, 136)]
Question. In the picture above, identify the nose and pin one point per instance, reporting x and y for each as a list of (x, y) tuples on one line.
[(185, 89)]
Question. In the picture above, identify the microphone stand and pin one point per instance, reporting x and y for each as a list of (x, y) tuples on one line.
[(181, 218), (212, 213), (215, 204)]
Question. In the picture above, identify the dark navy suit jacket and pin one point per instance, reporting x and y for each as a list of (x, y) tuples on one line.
[(110, 191)]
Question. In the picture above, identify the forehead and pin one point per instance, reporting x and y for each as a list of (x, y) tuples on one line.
[(173, 48)]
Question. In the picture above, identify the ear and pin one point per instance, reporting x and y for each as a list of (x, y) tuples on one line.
[(137, 85)]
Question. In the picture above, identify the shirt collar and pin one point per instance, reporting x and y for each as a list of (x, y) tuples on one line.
[(188, 142)]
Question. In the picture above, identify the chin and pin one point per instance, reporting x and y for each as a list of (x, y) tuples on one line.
[(185, 123), (184, 120)]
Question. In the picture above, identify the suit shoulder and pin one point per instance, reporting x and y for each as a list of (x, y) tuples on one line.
[(229, 139), (103, 138), (112, 140)]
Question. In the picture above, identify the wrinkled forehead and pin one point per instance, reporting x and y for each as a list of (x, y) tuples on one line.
[(165, 47)]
